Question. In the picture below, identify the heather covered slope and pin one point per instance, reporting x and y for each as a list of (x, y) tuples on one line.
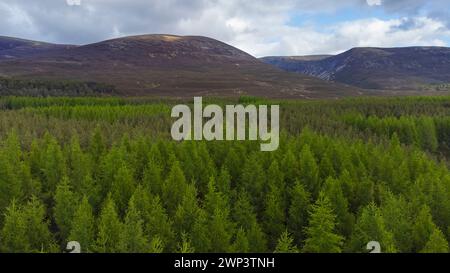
[(164, 65), (376, 68)]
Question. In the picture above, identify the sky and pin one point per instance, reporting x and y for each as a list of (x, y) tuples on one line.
[(259, 27)]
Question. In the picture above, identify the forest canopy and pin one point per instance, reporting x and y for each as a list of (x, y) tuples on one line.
[(105, 172)]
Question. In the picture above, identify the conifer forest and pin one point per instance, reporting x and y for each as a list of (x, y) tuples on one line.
[(104, 171)]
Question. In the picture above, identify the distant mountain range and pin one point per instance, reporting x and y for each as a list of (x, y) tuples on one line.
[(160, 65), (376, 68)]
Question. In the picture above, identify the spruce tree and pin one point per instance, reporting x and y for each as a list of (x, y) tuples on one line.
[(286, 244), (83, 226), (122, 188), (309, 171), (423, 228), (37, 227), (320, 233), (437, 243), (109, 229), (174, 188), (370, 226), (339, 203), (298, 212), (14, 232), (133, 239), (66, 204)]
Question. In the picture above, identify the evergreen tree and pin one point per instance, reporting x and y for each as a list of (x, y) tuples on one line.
[(241, 244), (220, 227), (187, 211), (274, 214), (78, 164), (97, 145), (437, 243), (333, 191), (371, 227), (83, 226), (245, 217), (396, 214), (185, 246), (158, 224), (152, 177), (37, 231), (286, 244), (65, 206), (298, 212), (423, 228), (253, 182), (321, 236), (133, 239), (174, 188), (109, 229), (309, 172), (14, 232), (10, 185), (122, 188), (54, 168)]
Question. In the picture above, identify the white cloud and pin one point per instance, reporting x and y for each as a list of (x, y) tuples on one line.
[(260, 27), (374, 2)]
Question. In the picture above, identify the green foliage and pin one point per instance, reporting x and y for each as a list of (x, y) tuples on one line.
[(65, 207), (321, 235), (105, 172), (110, 229), (83, 227), (285, 244)]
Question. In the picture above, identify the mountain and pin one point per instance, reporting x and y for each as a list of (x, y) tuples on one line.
[(160, 65), (13, 48), (376, 68)]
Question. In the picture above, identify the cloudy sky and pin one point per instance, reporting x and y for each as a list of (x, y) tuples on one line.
[(260, 27)]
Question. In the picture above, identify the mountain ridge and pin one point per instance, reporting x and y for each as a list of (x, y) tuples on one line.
[(163, 65), (376, 68)]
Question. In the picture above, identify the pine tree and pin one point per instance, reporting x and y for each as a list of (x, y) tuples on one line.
[(321, 236), (174, 188), (298, 212), (253, 182), (200, 234), (37, 227), (369, 227), (14, 231), (309, 172), (133, 239), (240, 244), (185, 246), (10, 185), (122, 188), (83, 226), (78, 164), (65, 206), (219, 224), (339, 203), (187, 211), (396, 214), (97, 145), (245, 217), (158, 224), (274, 214), (423, 228), (289, 167), (54, 168), (109, 229), (437, 243), (152, 177), (156, 245), (286, 244)]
